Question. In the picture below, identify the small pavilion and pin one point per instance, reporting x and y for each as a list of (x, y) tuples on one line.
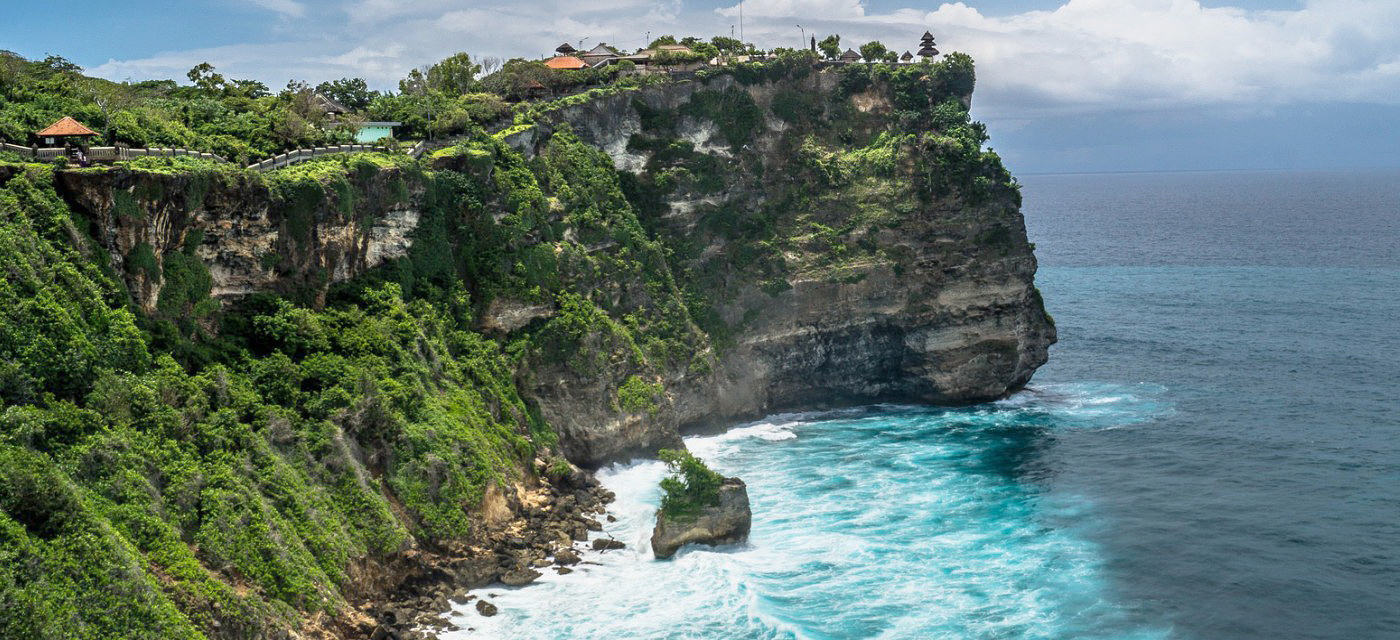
[(60, 133), (906, 57), (565, 49), (850, 56), (926, 47)]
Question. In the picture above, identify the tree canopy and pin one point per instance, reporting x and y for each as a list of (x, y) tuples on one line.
[(873, 51)]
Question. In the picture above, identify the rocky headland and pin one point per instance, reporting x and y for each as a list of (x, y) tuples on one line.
[(379, 382)]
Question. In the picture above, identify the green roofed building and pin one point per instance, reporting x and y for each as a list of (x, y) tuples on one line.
[(371, 132)]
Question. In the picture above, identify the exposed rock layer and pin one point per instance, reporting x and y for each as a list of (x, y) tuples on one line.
[(937, 306), (943, 310)]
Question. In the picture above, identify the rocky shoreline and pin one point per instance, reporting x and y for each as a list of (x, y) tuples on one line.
[(537, 529)]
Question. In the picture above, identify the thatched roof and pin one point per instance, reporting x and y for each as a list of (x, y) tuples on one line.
[(565, 49), (850, 54)]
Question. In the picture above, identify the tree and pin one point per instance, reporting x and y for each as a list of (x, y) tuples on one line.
[(108, 97), (691, 485), (517, 76), (202, 75), (60, 64), (247, 89), (701, 47), (415, 83), (830, 46), (490, 64), (298, 116), (354, 93), (890, 57), (666, 39), (728, 45), (873, 51), (455, 75)]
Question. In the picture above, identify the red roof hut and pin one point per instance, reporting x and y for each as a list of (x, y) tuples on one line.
[(66, 127)]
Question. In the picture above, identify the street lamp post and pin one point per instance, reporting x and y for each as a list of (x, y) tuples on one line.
[(803, 44)]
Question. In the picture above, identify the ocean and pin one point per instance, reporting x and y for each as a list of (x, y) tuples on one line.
[(1212, 452)]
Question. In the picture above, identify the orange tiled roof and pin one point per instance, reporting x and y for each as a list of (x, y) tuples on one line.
[(565, 62), (66, 126)]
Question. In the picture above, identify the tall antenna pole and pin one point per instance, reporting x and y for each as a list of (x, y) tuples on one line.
[(741, 21)]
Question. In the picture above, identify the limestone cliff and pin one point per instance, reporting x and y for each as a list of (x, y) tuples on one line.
[(814, 237), (847, 247), (247, 238)]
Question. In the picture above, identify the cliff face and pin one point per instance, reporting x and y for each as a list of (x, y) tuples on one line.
[(247, 239), (830, 237), (847, 252)]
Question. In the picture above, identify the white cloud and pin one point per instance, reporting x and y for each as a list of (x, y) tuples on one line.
[(1141, 54), (1085, 56), (289, 8), (799, 9)]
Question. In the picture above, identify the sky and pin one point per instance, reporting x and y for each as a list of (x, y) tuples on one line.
[(1063, 85)]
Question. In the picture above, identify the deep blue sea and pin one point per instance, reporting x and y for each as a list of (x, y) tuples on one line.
[(1213, 452)]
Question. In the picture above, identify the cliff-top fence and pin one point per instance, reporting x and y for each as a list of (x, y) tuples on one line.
[(293, 157), (106, 154), (113, 154)]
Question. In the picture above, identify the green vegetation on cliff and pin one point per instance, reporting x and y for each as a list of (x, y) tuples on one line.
[(179, 466), (239, 491), (235, 481)]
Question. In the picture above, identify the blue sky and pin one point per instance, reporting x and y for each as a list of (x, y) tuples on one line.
[(1064, 85)]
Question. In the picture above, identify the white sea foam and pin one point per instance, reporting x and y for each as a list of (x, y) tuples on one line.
[(894, 523)]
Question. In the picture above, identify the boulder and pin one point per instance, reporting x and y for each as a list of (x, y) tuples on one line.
[(485, 608), (519, 577), (606, 544), (566, 557), (726, 523)]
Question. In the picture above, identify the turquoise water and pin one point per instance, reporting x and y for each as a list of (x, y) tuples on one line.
[(1213, 452), (893, 522)]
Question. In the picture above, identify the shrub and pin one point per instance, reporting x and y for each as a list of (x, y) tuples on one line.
[(692, 486), (637, 395)]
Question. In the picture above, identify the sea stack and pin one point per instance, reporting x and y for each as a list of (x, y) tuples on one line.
[(725, 523)]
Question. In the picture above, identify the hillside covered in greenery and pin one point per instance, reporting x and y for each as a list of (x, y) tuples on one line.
[(233, 466)]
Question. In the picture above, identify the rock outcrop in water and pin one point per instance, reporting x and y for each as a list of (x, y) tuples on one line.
[(725, 523)]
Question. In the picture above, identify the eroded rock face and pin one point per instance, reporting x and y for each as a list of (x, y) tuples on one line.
[(727, 523), (934, 300), (245, 238), (939, 307)]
